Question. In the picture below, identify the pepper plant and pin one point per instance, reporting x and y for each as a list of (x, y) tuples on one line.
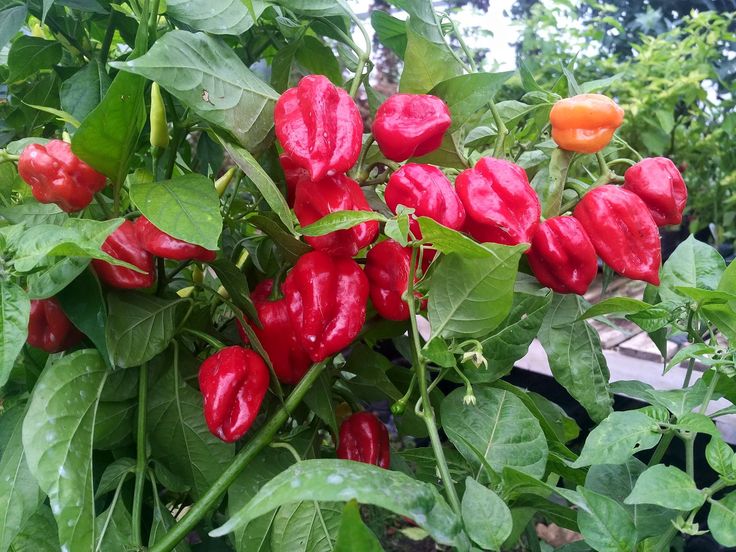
[(213, 267)]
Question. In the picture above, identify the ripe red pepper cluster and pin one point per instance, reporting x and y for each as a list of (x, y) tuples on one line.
[(320, 307)]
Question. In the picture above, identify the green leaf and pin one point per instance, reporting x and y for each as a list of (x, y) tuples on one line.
[(447, 155), (370, 382), (262, 181), (604, 523), (695, 422), (550, 189), (209, 78), (34, 213), (114, 473), (234, 281), (390, 30), (108, 136), (84, 305), (19, 492), (179, 436), (722, 519), (118, 528), (438, 352), (83, 91), (11, 21), (58, 439), (474, 305), (666, 486), (186, 207), (696, 351), (314, 8), (574, 352), (720, 457), (39, 533), (60, 115), (306, 526), (288, 244), (426, 64), (114, 424), (319, 399), (343, 480), (340, 220), (448, 241), (163, 521), (52, 280), (15, 310), (139, 327), (498, 425), (319, 58), (219, 17), (29, 55), (692, 264), (481, 505), (354, 534), (466, 94), (724, 317), (617, 438), (599, 84)]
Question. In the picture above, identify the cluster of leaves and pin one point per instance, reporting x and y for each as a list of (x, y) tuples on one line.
[(105, 447)]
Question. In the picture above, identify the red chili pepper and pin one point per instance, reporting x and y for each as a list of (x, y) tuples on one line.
[(364, 438), (327, 299), (123, 244), (161, 244), (277, 335), (319, 127), (233, 382), (623, 232), (410, 125), (315, 199), (658, 182), (293, 174), (387, 268), (49, 328), (562, 256), (500, 204), (427, 190), (56, 175)]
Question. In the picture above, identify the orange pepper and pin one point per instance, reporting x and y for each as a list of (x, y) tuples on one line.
[(585, 123)]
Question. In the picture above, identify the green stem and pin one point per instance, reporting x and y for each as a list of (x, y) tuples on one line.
[(464, 46), (107, 40), (111, 510), (710, 391), (502, 131), (260, 440), (204, 337), (364, 56), (662, 447), (359, 167), (140, 465), (690, 456), (602, 165), (153, 22), (427, 410)]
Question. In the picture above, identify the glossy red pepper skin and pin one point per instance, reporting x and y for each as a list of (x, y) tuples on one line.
[(658, 182), (562, 256), (233, 382), (161, 244), (48, 327), (387, 268), (427, 190), (123, 244), (410, 125), (293, 174), (364, 438), (500, 204), (622, 231), (319, 127), (327, 299), (277, 335), (56, 175), (315, 199)]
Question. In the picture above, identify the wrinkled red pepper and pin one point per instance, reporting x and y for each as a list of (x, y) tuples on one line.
[(327, 299), (49, 328), (56, 175), (364, 438), (658, 182), (123, 244), (410, 125), (562, 256), (293, 174), (500, 204), (427, 190), (277, 335), (387, 268), (319, 127), (315, 199), (161, 244), (233, 382), (622, 231)]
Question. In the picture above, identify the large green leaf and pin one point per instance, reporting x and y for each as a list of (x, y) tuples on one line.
[(139, 327), (11, 21), (186, 207), (219, 17), (498, 426), (618, 437), (605, 524), (692, 264), (475, 304), (39, 533), (58, 438), (179, 436), (354, 534), (52, 280), (722, 519), (108, 137), (390, 30), (666, 486), (209, 78), (15, 310), (343, 480), (31, 54), (426, 64), (83, 91), (306, 526), (19, 492), (478, 507), (575, 357)]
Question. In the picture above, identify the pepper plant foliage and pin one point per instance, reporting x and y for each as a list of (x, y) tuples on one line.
[(107, 445)]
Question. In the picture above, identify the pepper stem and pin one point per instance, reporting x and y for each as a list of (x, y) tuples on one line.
[(140, 466), (502, 132)]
